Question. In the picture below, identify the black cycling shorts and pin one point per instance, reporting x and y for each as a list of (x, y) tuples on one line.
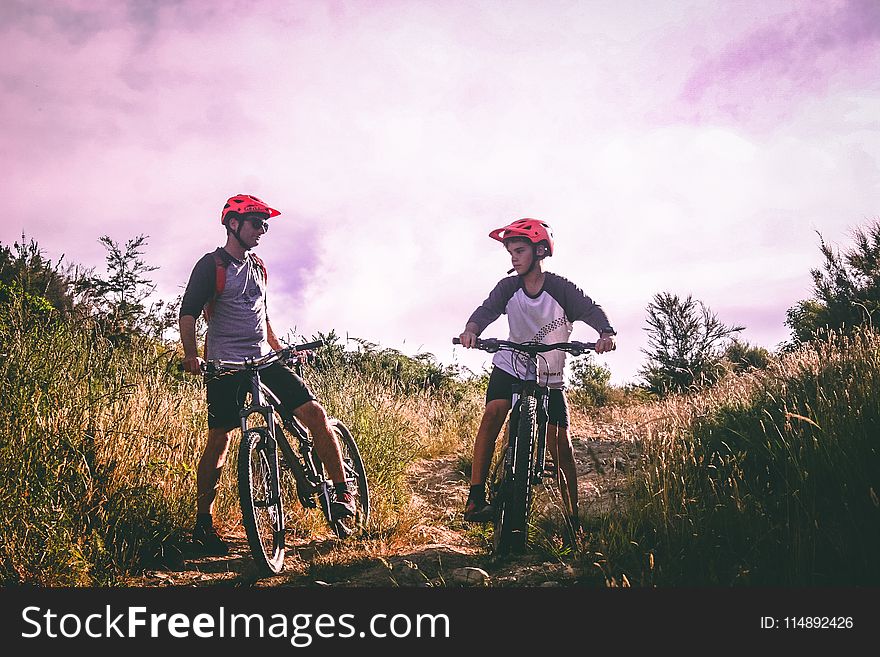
[(501, 387), (226, 393)]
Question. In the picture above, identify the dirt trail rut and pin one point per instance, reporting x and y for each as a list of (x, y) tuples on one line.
[(441, 543)]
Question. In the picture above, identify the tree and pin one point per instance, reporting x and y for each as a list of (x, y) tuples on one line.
[(28, 271), (846, 290), (119, 299), (161, 316), (684, 344)]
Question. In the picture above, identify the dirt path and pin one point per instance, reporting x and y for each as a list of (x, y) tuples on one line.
[(441, 542)]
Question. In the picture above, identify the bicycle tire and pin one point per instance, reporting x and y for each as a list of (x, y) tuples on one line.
[(261, 515), (356, 478), (512, 515), (497, 496)]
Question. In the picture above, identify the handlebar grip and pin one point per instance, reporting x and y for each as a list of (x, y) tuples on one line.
[(456, 340), (308, 346)]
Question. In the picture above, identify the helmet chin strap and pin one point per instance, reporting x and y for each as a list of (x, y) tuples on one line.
[(237, 235)]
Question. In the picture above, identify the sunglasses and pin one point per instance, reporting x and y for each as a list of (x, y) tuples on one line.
[(258, 223)]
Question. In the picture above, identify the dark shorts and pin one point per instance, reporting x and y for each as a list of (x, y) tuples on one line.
[(501, 387), (226, 393)]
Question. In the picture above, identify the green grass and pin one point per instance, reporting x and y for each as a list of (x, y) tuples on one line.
[(769, 478), (91, 461)]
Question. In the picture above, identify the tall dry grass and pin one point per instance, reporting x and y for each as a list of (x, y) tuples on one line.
[(93, 456), (99, 442)]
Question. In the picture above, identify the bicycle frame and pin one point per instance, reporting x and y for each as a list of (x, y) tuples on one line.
[(260, 468), (302, 465), (265, 403)]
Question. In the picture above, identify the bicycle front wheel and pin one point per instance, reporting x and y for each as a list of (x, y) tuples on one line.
[(355, 478), (515, 492), (259, 493)]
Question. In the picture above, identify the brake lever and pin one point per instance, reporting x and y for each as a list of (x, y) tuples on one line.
[(491, 345)]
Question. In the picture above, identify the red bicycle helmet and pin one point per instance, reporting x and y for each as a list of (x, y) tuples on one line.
[(532, 229), (244, 203)]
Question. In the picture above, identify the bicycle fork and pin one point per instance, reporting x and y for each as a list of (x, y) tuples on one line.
[(269, 446), (513, 424), (541, 448), (539, 471)]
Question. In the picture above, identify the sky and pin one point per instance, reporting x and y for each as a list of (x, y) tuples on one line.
[(691, 147)]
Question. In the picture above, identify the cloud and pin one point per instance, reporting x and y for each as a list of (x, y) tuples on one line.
[(395, 135), (765, 74)]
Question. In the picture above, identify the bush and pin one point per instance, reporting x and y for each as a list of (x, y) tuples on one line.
[(744, 357), (588, 383)]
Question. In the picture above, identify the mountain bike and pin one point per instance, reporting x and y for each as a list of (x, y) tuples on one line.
[(261, 473), (521, 464)]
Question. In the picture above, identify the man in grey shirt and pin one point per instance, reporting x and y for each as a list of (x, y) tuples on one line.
[(238, 329)]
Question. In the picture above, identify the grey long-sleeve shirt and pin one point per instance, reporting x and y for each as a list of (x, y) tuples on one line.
[(547, 317)]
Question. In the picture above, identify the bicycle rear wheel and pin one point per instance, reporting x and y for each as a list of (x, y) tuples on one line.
[(355, 477), (262, 513), (515, 490)]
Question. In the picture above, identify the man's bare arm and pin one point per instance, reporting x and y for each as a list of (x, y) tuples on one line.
[(271, 338), (191, 361)]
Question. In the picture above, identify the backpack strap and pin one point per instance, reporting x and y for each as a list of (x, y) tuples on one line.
[(261, 266), (220, 264)]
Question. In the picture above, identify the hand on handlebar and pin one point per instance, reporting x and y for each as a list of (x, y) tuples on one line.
[(193, 365), (300, 358), (605, 343), (468, 339)]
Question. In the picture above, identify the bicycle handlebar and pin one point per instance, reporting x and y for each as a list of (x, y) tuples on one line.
[(492, 345), (215, 365)]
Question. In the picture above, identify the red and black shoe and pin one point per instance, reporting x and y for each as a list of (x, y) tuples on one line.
[(342, 506), (478, 510)]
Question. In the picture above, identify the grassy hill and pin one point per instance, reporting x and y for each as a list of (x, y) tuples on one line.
[(769, 478)]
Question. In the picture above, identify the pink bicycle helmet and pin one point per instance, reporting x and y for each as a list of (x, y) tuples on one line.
[(532, 229), (244, 203)]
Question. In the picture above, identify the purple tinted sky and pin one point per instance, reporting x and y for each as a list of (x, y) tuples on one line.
[(690, 147)]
